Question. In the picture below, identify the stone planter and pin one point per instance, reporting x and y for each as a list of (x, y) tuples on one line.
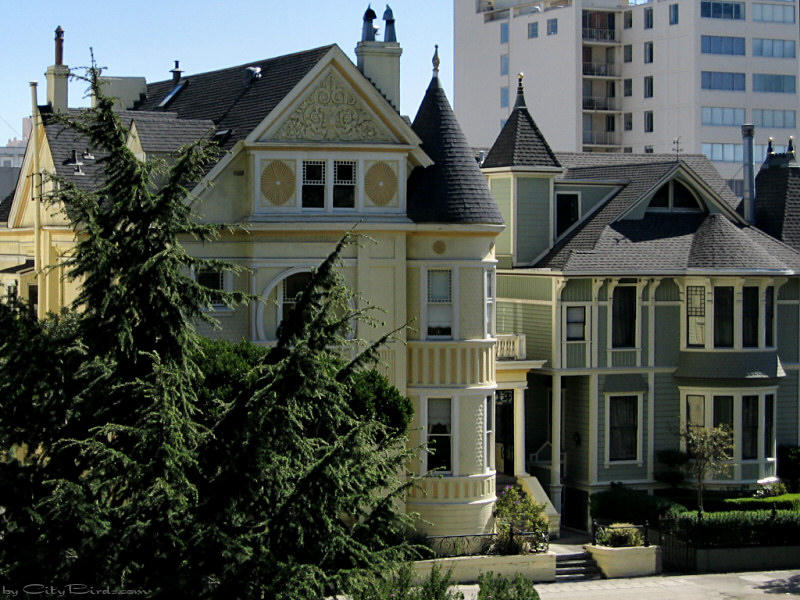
[(626, 562), (533, 567)]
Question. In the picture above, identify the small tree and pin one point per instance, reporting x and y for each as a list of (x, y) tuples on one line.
[(710, 451)]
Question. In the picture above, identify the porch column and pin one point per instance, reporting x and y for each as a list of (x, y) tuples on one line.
[(555, 459), (519, 432)]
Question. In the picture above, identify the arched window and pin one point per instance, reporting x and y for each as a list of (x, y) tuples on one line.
[(674, 196), (288, 291)]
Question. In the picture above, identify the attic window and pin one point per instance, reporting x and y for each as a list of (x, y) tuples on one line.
[(674, 196), (567, 212), (171, 96)]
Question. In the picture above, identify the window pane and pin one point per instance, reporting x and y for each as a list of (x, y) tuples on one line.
[(769, 317), (723, 317), (723, 411), (439, 286), (750, 306), (769, 427), (749, 427), (566, 212), (623, 425), (439, 434), (576, 323), (695, 315), (695, 411), (624, 317)]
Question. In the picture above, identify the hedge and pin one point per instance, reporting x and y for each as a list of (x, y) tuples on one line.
[(782, 502), (631, 506), (737, 529)]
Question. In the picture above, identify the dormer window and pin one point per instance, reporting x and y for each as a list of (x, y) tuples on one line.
[(674, 196), (567, 212), (317, 194)]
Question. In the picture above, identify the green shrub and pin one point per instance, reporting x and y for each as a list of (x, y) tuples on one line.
[(620, 535), (497, 587), (671, 467), (516, 512), (397, 585), (789, 466), (738, 529), (782, 502), (624, 504), (770, 490)]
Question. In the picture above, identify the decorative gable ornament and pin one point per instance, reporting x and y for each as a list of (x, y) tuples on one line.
[(278, 182), (332, 112), (380, 184)]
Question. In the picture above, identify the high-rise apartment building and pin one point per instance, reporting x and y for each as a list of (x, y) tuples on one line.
[(620, 76)]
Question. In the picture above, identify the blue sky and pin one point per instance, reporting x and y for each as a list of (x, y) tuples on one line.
[(145, 37)]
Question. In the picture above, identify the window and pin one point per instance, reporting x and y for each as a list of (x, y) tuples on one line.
[(33, 298), (719, 80), (722, 10), (627, 53), (736, 186), (488, 449), (627, 87), (288, 291), (695, 316), (533, 30), (763, 117), (695, 411), (623, 317), (627, 19), (552, 26), (213, 280), (648, 86), (648, 149), (674, 196), (750, 314), (761, 150), (769, 317), (313, 184), (440, 435), (623, 428), (773, 48), (627, 122), (611, 123), (648, 52), (567, 212), (778, 84), (648, 121), (721, 116), (723, 316), (504, 33), (344, 184), (749, 427), (648, 18), (440, 303), (773, 13), (490, 300), (504, 64), (769, 426), (504, 97), (673, 14), (720, 44), (627, 150), (722, 152), (576, 323)]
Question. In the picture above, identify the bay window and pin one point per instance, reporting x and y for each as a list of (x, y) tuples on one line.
[(440, 303), (440, 435)]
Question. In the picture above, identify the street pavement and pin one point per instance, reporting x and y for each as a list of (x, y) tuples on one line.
[(718, 586)]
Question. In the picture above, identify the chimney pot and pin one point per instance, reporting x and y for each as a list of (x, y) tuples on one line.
[(176, 74), (748, 174), (59, 45)]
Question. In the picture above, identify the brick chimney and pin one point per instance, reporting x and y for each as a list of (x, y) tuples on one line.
[(58, 77)]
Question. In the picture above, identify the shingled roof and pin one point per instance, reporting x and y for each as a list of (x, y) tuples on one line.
[(453, 189), (520, 143), (5, 206), (778, 199), (676, 242)]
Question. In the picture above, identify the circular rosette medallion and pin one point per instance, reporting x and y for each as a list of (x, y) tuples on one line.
[(277, 182), (380, 184)]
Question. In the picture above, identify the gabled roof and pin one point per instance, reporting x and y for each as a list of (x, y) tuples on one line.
[(5, 206), (229, 98), (166, 135), (453, 189), (520, 143), (605, 243)]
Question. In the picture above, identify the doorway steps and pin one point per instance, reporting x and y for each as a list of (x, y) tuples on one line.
[(579, 566)]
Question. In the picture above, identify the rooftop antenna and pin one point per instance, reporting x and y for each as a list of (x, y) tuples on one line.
[(677, 148)]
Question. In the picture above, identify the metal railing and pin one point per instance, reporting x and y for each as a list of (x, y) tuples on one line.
[(599, 35), (600, 103), (601, 138), (601, 69), (447, 546)]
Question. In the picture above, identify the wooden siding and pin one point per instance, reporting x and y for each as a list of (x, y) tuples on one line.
[(786, 406), (623, 358), (790, 290), (667, 334), (533, 218), (668, 291), (577, 290), (575, 413), (591, 195), (501, 190), (575, 357), (534, 320), (524, 287), (787, 332), (667, 412)]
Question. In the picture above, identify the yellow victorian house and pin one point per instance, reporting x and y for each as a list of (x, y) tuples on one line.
[(314, 145)]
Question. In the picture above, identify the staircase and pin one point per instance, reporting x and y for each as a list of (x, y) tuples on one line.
[(579, 566)]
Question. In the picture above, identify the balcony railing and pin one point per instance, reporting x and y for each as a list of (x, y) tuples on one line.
[(599, 35), (510, 346), (602, 138), (600, 103), (601, 70)]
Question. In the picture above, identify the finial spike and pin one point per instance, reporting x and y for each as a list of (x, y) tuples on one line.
[(436, 59)]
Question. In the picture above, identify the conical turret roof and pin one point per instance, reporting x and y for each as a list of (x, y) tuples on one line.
[(520, 143)]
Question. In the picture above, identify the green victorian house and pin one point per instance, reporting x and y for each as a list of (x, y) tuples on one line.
[(654, 304)]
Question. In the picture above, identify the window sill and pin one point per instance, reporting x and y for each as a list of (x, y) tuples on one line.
[(620, 463)]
